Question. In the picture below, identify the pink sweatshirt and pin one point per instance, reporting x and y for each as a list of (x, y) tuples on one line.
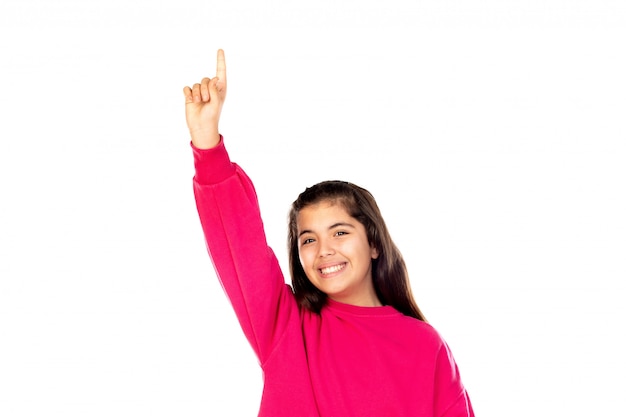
[(345, 361)]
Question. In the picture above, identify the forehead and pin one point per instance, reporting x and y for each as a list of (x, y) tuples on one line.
[(323, 214)]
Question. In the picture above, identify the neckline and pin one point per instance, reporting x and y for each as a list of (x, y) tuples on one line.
[(360, 310)]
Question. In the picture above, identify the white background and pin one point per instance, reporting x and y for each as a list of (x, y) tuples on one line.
[(492, 134)]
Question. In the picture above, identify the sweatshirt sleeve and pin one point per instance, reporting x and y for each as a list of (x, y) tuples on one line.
[(451, 398), (245, 265)]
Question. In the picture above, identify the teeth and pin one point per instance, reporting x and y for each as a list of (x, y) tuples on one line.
[(331, 269)]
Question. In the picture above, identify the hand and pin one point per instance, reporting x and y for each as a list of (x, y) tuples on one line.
[(203, 106)]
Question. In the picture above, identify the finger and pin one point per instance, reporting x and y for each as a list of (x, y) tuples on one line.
[(197, 98), (204, 89), (188, 96), (221, 68), (214, 88)]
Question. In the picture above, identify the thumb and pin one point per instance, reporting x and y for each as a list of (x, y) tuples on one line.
[(214, 87), (220, 85)]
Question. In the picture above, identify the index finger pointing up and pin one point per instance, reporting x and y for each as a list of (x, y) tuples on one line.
[(221, 66)]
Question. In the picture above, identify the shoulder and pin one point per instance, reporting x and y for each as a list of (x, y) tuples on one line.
[(422, 333)]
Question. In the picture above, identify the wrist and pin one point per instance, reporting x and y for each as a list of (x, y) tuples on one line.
[(205, 138)]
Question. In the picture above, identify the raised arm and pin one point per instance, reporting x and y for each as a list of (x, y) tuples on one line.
[(231, 221), (203, 106)]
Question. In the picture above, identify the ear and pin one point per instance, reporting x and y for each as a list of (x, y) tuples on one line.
[(373, 252)]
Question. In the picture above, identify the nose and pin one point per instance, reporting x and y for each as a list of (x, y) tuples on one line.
[(326, 248)]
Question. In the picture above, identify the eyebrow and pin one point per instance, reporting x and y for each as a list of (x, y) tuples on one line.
[(332, 226)]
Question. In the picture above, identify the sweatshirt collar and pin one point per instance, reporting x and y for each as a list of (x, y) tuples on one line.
[(361, 311)]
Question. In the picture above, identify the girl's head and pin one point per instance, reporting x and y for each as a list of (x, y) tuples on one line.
[(339, 247)]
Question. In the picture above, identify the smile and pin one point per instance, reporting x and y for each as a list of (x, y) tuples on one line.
[(332, 269)]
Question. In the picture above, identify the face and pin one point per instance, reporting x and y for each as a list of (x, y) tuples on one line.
[(336, 255)]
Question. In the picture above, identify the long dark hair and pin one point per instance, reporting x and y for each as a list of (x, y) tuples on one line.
[(389, 273)]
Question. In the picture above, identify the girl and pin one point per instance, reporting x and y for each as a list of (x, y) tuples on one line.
[(347, 339)]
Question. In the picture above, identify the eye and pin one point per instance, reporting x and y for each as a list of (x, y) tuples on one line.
[(307, 241), (341, 233)]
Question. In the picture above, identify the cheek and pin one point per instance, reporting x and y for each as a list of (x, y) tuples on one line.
[(302, 258), (307, 258)]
